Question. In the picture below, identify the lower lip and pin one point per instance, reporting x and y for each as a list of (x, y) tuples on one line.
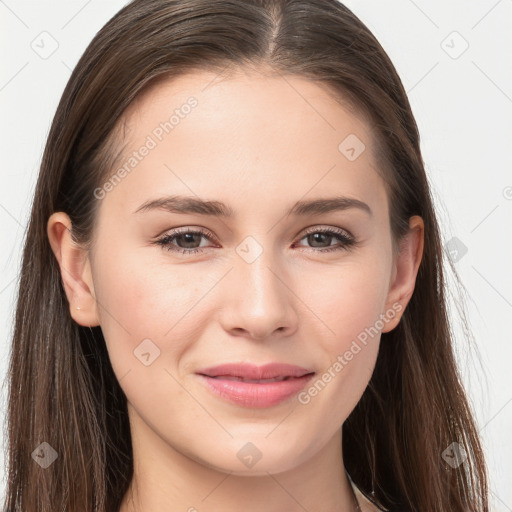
[(255, 395)]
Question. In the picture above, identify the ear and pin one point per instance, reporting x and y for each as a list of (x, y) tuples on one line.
[(75, 270), (405, 270)]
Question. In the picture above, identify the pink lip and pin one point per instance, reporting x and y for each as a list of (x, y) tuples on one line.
[(251, 371), (221, 380)]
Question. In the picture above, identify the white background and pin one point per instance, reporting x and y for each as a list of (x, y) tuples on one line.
[(463, 107)]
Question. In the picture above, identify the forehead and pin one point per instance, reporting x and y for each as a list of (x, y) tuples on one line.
[(238, 95), (213, 135)]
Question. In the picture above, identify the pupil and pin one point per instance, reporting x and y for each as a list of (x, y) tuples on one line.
[(189, 239), (315, 237)]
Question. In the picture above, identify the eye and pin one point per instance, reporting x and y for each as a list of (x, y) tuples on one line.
[(185, 240), (320, 236), (187, 237)]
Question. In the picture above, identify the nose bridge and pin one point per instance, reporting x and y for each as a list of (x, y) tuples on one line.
[(259, 300), (255, 270)]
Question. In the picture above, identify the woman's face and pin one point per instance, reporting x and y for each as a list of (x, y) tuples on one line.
[(258, 286)]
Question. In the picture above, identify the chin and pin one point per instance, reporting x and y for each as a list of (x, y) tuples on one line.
[(249, 460)]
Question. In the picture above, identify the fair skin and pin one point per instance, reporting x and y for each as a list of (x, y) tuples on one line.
[(258, 144)]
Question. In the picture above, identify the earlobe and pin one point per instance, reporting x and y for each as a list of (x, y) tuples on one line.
[(405, 272), (75, 270)]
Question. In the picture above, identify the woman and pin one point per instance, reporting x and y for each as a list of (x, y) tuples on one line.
[(232, 293)]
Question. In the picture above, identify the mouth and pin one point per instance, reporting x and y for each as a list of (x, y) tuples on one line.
[(254, 381), (255, 387), (249, 371)]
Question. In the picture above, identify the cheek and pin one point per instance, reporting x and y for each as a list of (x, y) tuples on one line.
[(144, 293), (347, 304), (140, 300), (347, 298)]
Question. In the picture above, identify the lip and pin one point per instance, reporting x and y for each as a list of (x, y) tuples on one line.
[(222, 381), (253, 372)]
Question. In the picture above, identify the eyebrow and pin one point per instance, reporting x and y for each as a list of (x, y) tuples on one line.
[(194, 205)]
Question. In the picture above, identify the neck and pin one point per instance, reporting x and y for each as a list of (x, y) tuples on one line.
[(165, 477)]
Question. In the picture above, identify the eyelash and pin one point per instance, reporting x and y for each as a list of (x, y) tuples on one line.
[(347, 241)]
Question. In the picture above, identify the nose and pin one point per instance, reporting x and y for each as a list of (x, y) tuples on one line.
[(259, 300)]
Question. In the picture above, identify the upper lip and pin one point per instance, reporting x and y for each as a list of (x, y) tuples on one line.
[(251, 371)]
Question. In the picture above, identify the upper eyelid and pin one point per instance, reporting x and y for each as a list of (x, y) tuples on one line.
[(313, 229), (183, 230)]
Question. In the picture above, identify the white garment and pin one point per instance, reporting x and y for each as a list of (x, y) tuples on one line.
[(365, 504)]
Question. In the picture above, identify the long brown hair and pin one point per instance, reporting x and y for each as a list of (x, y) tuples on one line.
[(62, 389)]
